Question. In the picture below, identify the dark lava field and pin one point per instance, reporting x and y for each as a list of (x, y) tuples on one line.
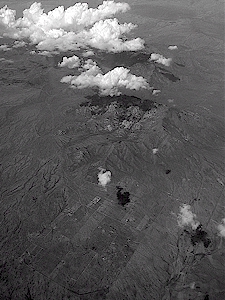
[(62, 234)]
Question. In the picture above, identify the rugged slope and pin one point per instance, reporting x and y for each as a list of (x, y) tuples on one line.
[(63, 236)]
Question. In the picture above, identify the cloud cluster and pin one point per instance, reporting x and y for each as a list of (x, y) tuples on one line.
[(70, 62), (160, 59), (5, 47), (108, 83), (16, 44), (44, 53), (104, 177), (221, 228), (106, 35), (187, 218), (2, 59), (71, 28)]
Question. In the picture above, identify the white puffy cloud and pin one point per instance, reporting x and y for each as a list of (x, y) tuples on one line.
[(71, 28), (104, 177), (66, 79), (106, 35), (88, 53), (160, 59), (155, 150), (2, 59), (221, 228), (155, 92), (91, 67), (5, 47), (73, 18), (108, 83), (173, 47), (187, 218), (70, 62), (18, 44)]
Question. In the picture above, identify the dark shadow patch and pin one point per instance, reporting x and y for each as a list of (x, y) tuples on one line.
[(168, 171), (123, 198), (124, 59), (199, 235), (28, 295), (197, 199), (98, 294), (123, 101), (168, 74), (180, 65)]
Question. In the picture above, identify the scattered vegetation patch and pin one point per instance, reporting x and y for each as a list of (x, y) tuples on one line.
[(199, 235), (168, 171)]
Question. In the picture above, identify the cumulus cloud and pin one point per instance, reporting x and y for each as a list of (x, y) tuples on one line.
[(66, 79), (155, 92), (70, 62), (104, 177), (88, 53), (187, 218), (172, 47), (5, 47), (221, 228), (106, 35), (2, 59), (71, 28), (160, 59), (108, 83), (18, 44)]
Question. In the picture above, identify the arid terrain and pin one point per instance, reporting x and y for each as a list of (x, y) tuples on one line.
[(65, 236)]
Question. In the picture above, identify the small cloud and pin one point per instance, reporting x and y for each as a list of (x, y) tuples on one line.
[(160, 59), (155, 92), (91, 67), (5, 48), (220, 181), (6, 60), (70, 62), (104, 177), (187, 218), (66, 79), (47, 53), (221, 228), (88, 53), (108, 83), (172, 47), (18, 44), (155, 150)]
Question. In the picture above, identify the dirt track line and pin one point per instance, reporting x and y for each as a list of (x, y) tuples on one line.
[(217, 202)]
